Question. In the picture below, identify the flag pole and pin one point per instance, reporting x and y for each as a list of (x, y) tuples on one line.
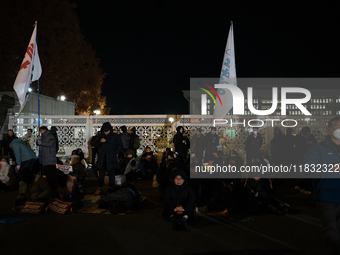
[(36, 24)]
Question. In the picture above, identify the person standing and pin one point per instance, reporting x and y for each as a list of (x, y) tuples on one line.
[(108, 144), (289, 146), (253, 146), (48, 158), (278, 148), (6, 141), (326, 191), (126, 139), (303, 142), (197, 145), (211, 142), (181, 142), (29, 138)]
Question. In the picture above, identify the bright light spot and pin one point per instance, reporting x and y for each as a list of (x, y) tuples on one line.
[(171, 119), (29, 90), (62, 98), (96, 111)]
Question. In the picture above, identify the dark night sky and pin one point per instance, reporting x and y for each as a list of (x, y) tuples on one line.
[(150, 49)]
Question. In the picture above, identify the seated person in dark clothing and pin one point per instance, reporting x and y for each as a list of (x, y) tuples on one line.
[(33, 187), (165, 155), (217, 158), (131, 171), (146, 152), (78, 167), (235, 160), (71, 188), (163, 177), (262, 198), (148, 166), (178, 200), (125, 160)]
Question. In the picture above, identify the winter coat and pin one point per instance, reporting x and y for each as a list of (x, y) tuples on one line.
[(180, 146), (197, 145), (302, 145), (254, 144), (211, 142), (126, 140), (30, 139), (325, 190), (39, 189), (22, 151), (107, 151), (5, 144), (175, 195), (48, 149)]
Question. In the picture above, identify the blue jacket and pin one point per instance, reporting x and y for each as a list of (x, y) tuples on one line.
[(21, 151), (325, 190)]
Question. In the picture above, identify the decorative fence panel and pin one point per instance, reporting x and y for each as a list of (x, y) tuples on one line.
[(157, 131)]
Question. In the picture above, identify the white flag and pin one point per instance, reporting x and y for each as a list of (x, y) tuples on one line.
[(30, 70), (228, 76)]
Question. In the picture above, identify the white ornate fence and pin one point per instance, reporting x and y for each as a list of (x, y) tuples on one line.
[(157, 131)]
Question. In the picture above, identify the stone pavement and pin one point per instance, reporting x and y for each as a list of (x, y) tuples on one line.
[(144, 231)]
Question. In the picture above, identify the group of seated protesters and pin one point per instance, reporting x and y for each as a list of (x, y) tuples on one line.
[(180, 194)]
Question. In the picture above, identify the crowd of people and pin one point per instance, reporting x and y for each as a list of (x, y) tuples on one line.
[(115, 154)]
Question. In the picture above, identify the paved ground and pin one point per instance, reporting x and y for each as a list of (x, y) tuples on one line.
[(144, 231)]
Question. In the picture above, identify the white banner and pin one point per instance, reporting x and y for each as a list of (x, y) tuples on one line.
[(30, 70), (228, 76)]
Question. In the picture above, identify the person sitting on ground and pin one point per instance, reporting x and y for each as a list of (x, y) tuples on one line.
[(7, 176), (131, 170), (80, 153), (147, 150), (121, 199), (262, 197), (78, 167), (178, 200), (165, 154), (163, 178), (33, 187), (125, 160), (71, 188), (148, 166)]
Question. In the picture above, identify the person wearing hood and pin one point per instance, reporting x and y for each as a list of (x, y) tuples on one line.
[(24, 155), (108, 144), (179, 200), (181, 142)]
